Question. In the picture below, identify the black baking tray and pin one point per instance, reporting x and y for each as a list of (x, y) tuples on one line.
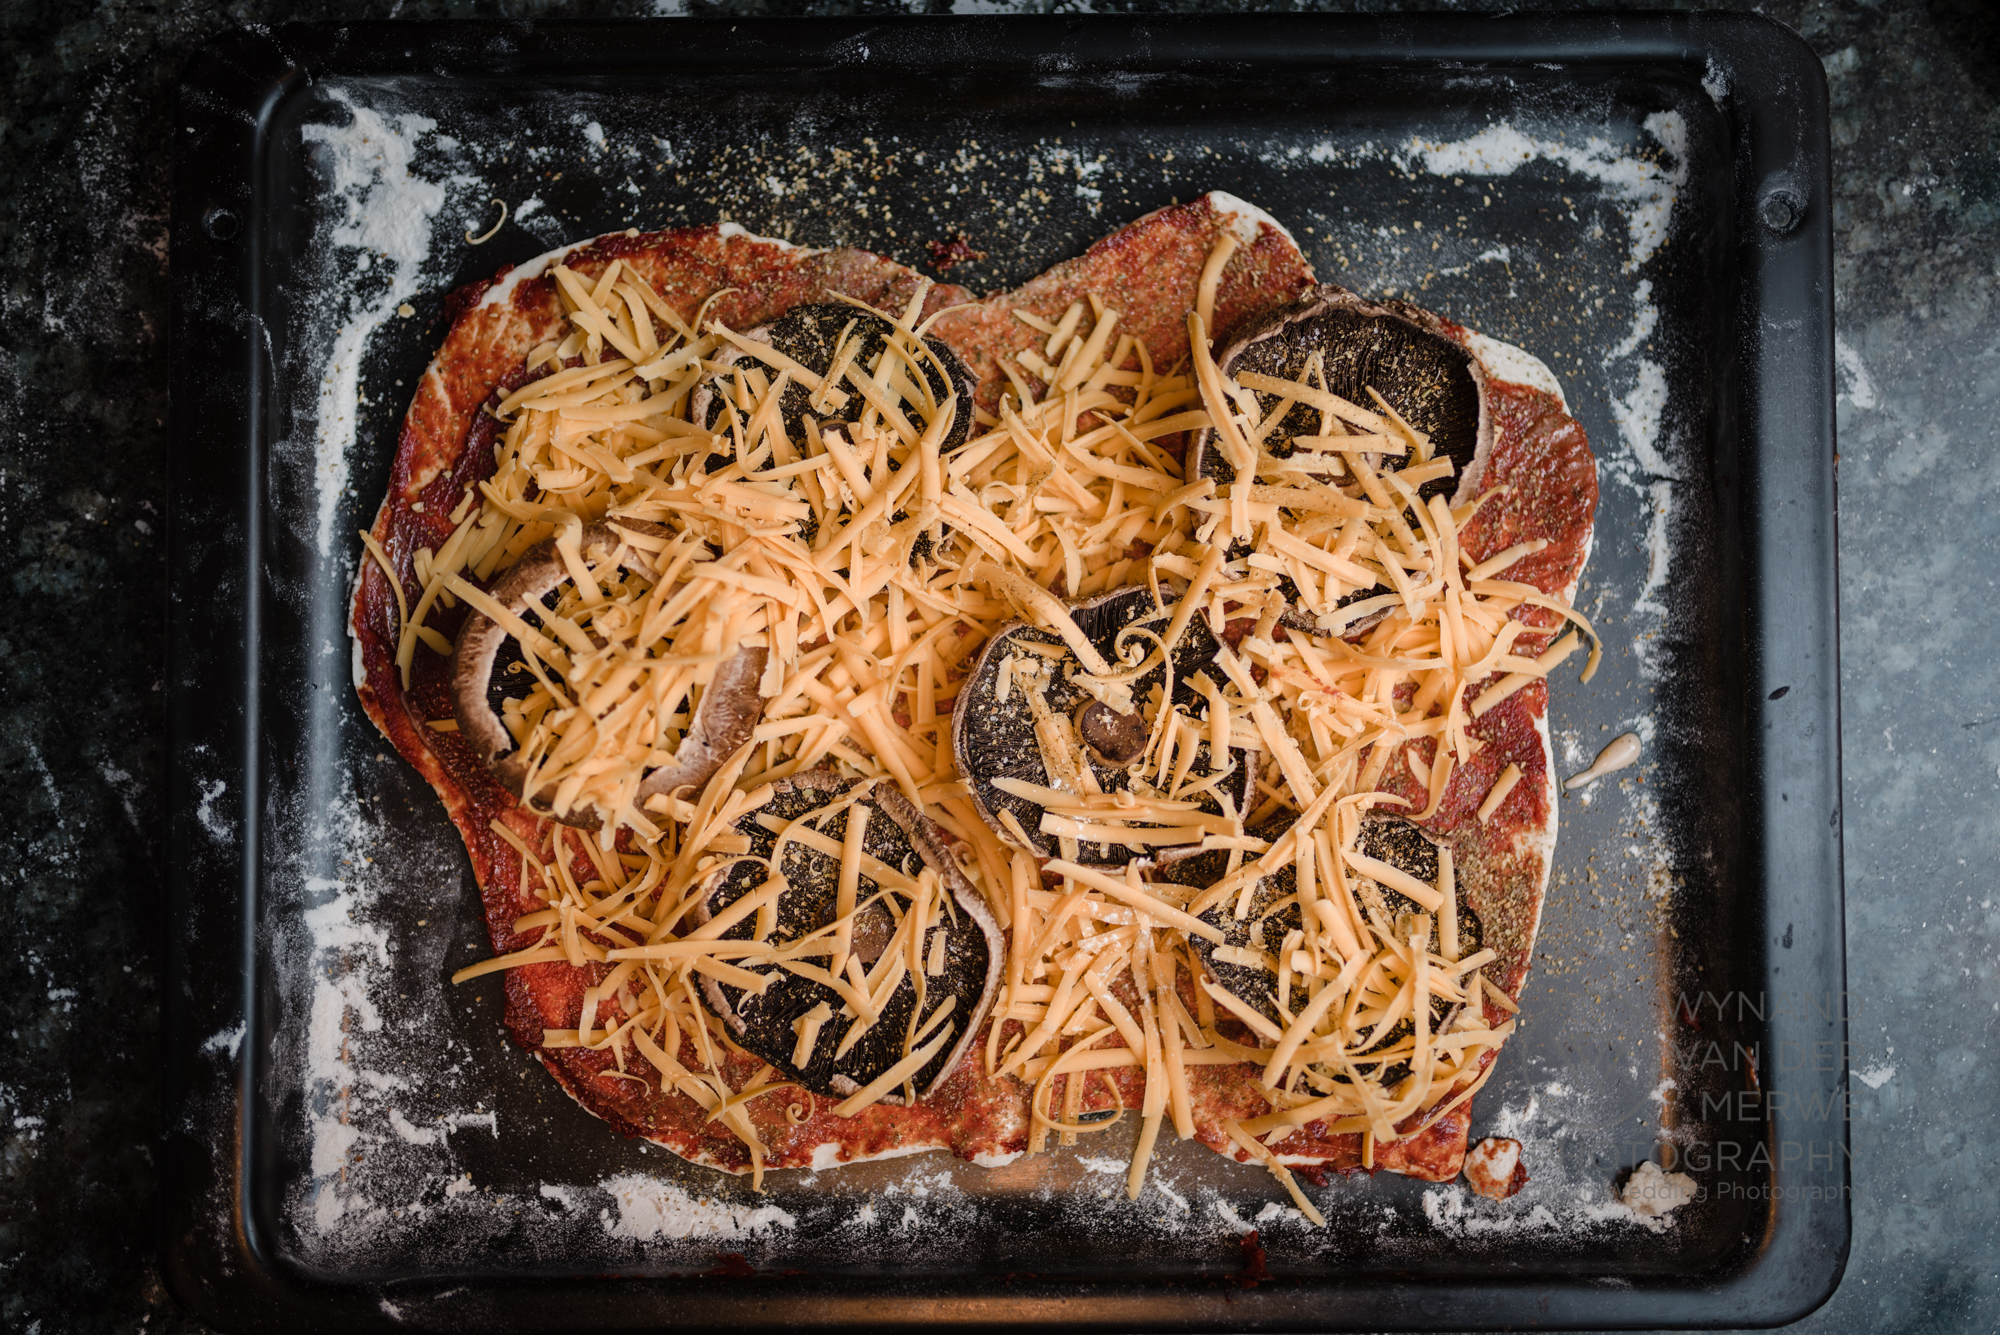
[(1688, 986)]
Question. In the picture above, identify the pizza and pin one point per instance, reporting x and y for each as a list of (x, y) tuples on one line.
[(884, 719)]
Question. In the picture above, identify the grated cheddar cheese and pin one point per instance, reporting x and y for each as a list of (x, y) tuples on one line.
[(870, 564)]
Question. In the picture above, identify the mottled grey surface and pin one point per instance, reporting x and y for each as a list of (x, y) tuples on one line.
[(83, 398)]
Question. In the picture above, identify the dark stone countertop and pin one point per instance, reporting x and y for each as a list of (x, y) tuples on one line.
[(84, 168)]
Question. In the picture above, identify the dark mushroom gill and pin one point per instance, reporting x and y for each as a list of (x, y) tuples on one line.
[(1395, 842), (764, 1024), (811, 336), (995, 739), (1391, 347)]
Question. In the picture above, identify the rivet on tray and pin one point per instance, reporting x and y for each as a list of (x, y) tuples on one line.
[(1781, 211), (221, 223)]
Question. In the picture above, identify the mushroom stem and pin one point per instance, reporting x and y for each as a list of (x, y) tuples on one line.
[(723, 721)]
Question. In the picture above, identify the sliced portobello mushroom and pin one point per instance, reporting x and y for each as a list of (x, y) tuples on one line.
[(773, 1023), (1025, 670), (813, 335), (487, 667), (1399, 350), (1261, 930)]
